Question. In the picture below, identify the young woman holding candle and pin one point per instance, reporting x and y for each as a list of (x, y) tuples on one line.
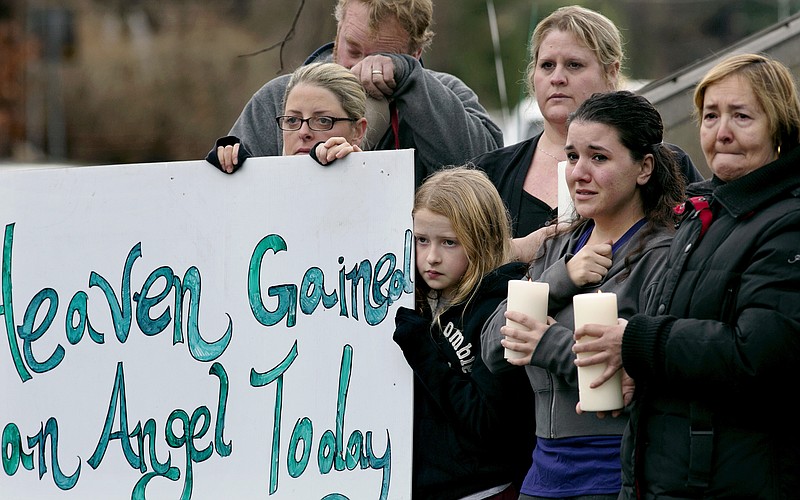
[(467, 443), (624, 182)]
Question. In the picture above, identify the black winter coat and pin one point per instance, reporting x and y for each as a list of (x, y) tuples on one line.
[(472, 430), (715, 360)]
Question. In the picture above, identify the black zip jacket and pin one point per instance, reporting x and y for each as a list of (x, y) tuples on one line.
[(472, 430)]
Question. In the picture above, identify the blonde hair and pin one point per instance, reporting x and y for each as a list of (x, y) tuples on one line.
[(774, 88), (335, 78), (595, 30), (415, 16), (471, 203)]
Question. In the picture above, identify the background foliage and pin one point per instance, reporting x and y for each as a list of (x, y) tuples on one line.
[(128, 81)]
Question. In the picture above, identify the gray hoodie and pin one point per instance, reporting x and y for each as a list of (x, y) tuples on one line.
[(439, 116), (552, 372)]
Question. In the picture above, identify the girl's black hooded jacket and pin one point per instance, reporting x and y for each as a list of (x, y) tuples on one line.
[(472, 430)]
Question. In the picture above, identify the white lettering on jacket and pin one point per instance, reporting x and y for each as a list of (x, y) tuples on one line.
[(463, 352)]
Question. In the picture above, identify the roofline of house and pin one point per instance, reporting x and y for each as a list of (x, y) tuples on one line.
[(688, 76)]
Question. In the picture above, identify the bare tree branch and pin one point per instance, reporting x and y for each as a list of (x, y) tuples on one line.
[(282, 44)]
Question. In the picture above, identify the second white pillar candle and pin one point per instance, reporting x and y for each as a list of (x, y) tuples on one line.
[(597, 309)]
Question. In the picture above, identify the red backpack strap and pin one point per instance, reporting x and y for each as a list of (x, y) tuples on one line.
[(395, 124), (703, 212), (701, 206)]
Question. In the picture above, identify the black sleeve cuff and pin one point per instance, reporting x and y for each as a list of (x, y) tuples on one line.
[(228, 140), (643, 345), (313, 153), (408, 323)]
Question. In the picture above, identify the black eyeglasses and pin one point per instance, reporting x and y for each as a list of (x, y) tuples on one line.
[(318, 123)]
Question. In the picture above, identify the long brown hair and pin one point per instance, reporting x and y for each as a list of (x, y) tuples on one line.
[(664, 190)]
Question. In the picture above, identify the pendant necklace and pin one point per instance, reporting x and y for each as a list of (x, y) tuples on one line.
[(548, 154)]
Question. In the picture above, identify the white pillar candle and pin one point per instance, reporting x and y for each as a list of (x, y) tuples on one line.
[(565, 204), (598, 309), (529, 297)]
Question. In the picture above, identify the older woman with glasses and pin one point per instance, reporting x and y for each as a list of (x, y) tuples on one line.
[(323, 115)]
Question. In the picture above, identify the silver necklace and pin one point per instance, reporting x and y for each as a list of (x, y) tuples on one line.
[(548, 154)]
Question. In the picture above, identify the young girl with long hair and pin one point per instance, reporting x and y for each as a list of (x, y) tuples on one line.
[(467, 444)]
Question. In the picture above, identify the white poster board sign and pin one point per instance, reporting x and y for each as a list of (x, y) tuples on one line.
[(171, 332)]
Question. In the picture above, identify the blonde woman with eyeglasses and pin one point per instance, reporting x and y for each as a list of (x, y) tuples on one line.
[(324, 115)]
